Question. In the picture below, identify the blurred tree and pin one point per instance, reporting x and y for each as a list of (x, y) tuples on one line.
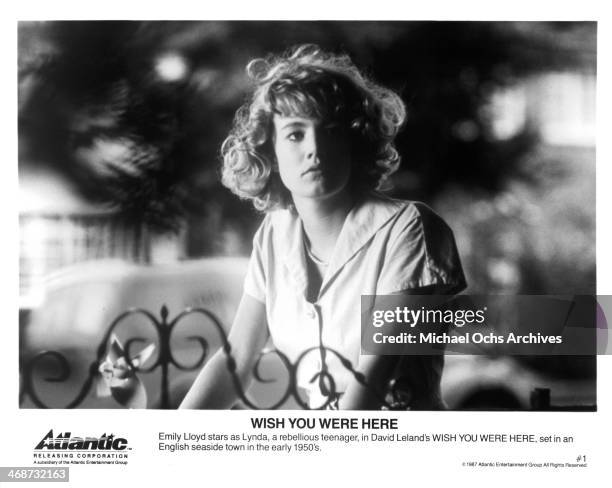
[(90, 111), (135, 112)]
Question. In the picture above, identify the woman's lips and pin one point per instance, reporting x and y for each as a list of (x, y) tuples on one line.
[(313, 169)]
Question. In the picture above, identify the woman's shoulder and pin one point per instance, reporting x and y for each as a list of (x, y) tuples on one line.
[(277, 225), (406, 214), (420, 249)]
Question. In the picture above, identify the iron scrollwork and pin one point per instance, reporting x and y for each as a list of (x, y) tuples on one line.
[(165, 358)]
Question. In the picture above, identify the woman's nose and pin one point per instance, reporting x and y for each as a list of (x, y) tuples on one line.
[(311, 146), (316, 144)]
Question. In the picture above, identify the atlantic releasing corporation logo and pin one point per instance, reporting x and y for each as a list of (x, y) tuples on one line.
[(65, 448)]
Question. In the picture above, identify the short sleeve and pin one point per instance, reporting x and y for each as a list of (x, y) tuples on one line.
[(420, 253), (255, 280)]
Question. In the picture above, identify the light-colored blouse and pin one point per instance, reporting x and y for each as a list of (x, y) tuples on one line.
[(385, 246)]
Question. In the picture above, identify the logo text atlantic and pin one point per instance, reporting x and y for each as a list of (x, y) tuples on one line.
[(66, 448), (65, 441)]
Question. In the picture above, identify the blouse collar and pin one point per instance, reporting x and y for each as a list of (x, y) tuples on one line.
[(361, 224)]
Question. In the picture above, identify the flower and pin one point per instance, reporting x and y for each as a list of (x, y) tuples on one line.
[(118, 375)]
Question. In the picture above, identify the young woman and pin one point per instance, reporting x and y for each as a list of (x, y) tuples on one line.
[(311, 148)]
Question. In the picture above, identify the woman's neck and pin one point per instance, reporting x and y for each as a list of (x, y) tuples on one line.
[(323, 220)]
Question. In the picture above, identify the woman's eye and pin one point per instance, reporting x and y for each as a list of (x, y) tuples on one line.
[(295, 136)]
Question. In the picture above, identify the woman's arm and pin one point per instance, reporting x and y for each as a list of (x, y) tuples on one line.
[(214, 386)]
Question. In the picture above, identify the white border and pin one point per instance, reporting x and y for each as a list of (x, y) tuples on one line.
[(376, 466)]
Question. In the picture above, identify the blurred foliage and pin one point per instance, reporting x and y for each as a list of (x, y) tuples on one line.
[(535, 237), (93, 106)]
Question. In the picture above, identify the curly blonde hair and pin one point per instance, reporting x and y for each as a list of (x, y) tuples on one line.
[(312, 83)]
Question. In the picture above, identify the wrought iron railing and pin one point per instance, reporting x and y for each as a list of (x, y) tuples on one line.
[(393, 397), (164, 327)]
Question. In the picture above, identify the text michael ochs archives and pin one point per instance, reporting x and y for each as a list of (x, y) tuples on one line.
[(518, 324)]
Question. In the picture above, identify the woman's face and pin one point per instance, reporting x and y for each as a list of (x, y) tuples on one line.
[(313, 156)]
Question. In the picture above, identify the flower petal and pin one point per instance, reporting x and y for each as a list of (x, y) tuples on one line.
[(103, 386), (143, 355), (116, 349)]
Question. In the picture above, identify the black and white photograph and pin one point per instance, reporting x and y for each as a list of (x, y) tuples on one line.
[(203, 204)]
